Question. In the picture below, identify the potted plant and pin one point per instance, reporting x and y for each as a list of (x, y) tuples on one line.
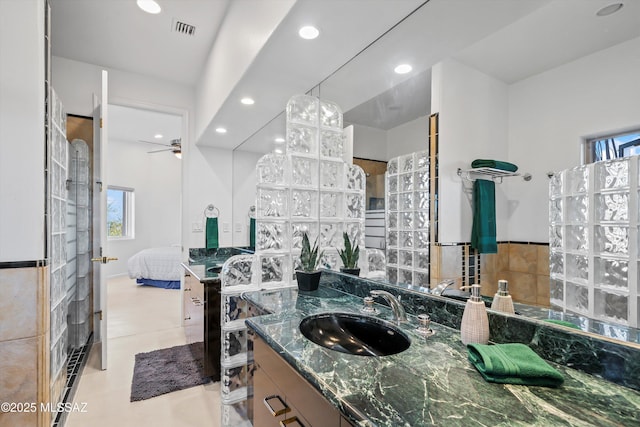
[(308, 276), (349, 256)]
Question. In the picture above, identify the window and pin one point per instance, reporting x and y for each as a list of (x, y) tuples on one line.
[(612, 146), (120, 213)]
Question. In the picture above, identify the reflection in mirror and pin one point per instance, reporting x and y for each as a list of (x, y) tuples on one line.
[(525, 82)]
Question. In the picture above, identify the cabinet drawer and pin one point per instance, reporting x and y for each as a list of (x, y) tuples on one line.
[(300, 395), (266, 391)]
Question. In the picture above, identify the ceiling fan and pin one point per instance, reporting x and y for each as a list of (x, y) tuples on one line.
[(175, 146)]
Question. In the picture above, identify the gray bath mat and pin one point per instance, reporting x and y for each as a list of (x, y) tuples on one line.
[(169, 369)]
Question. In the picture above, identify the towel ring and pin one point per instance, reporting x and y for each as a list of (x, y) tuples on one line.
[(211, 212)]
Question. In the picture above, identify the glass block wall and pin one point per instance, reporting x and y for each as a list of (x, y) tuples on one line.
[(308, 189), (407, 184), (593, 240), (78, 271), (58, 246)]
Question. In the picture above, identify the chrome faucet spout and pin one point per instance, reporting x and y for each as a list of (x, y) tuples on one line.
[(398, 311)]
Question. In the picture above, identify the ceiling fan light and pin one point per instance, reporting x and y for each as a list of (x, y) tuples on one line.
[(178, 154), (149, 6)]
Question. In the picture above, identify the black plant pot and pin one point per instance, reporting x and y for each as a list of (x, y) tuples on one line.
[(308, 281), (352, 271)]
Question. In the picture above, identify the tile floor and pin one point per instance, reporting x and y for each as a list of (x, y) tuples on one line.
[(140, 319)]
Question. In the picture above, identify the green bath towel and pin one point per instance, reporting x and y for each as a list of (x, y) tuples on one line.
[(252, 232), (495, 164), (513, 364), (483, 231), (211, 233)]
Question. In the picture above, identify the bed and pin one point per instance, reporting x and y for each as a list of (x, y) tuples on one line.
[(159, 267)]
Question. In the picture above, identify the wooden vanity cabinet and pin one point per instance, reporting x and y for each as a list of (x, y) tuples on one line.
[(282, 397)]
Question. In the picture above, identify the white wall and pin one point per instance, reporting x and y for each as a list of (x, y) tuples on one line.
[(408, 137), (553, 112), (473, 118), (369, 143), (245, 29), (244, 193), (156, 180), (22, 117), (208, 174)]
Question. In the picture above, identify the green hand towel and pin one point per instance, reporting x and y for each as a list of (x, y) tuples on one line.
[(211, 234), (483, 231), (252, 232), (513, 364), (495, 164)]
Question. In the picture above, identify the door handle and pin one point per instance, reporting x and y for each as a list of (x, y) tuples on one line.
[(104, 259)]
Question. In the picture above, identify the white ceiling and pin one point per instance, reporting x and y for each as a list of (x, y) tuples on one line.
[(117, 34)]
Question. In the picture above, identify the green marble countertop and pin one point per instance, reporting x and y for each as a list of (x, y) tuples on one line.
[(431, 383)]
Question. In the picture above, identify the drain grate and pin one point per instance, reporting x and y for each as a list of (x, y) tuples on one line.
[(75, 364)]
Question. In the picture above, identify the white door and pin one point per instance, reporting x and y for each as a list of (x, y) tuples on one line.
[(100, 242)]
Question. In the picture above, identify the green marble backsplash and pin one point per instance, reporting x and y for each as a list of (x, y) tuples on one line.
[(612, 360)]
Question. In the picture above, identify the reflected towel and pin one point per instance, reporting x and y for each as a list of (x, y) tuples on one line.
[(562, 323), (211, 234), (483, 231), (513, 364), (252, 232), (495, 164)]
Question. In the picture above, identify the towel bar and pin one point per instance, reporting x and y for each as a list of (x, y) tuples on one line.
[(489, 173)]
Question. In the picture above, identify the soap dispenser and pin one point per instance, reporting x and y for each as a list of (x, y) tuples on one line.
[(475, 322), (502, 300)]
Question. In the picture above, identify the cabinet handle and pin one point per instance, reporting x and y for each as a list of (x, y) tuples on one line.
[(293, 421), (275, 413), (187, 289), (197, 301)]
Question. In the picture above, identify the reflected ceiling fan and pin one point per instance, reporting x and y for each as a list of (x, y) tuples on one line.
[(175, 146)]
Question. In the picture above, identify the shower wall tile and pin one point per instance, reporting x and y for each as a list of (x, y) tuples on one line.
[(543, 260), (523, 287), (22, 289), (25, 367), (523, 258), (544, 287)]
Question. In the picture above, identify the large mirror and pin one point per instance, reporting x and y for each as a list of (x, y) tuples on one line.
[(526, 81)]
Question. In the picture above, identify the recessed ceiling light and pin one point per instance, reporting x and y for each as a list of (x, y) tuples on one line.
[(279, 139), (149, 6), (308, 32), (221, 130), (247, 101), (403, 68), (157, 136), (608, 10)]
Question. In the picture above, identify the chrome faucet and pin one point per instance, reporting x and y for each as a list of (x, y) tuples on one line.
[(442, 286), (398, 311)]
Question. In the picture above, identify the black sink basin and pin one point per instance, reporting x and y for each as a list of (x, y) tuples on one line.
[(354, 334)]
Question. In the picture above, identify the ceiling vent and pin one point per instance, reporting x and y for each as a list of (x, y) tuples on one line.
[(183, 28)]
